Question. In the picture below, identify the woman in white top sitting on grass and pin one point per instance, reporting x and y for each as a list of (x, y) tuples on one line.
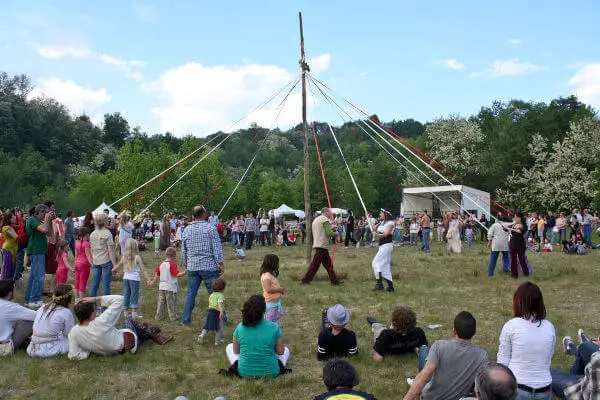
[(527, 344), (52, 325)]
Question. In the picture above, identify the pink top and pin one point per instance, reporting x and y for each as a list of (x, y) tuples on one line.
[(62, 262), (80, 247)]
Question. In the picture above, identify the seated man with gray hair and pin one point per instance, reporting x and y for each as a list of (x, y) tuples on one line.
[(494, 381)]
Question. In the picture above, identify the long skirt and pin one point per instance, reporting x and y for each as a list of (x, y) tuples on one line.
[(383, 261), (8, 265)]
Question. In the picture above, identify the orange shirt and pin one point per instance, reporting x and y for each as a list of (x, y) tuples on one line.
[(270, 297)]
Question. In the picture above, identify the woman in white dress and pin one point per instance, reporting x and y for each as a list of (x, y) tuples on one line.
[(52, 324), (383, 259), (454, 244)]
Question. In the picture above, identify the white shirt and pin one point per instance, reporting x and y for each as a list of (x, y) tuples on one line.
[(10, 313), (499, 237), (168, 282), (527, 348), (100, 336), (414, 228), (133, 275), (50, 332)]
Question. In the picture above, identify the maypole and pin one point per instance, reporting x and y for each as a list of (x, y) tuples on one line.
[(307, 218)]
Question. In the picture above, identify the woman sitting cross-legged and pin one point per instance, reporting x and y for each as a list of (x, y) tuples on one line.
[(257, 349), (53, 322)]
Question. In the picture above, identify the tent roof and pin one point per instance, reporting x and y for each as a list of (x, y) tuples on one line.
[(100, 209), (286, 210)]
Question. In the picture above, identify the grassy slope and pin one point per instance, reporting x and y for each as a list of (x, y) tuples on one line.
[(437, 286)]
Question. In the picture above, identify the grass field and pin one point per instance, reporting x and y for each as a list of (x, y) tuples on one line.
[(436, 285)]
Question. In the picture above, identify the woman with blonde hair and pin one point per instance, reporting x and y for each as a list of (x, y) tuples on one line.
[(52, 324), (132, 266)]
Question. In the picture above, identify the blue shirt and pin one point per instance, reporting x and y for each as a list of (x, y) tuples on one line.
[(201, 247)]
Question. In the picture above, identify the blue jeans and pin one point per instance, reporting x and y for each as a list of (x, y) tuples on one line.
[(235, 239), (587, 234), (562, 235), (552, 233), (35, 284), (19, 263), (131, 293), (562, 379), (194, 279), (422, 354), (525, 395), (71, 242), (469, 240), (101, 272), (425, 239), (494, 261)]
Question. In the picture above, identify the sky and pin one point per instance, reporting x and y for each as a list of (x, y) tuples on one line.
[(195, 67)]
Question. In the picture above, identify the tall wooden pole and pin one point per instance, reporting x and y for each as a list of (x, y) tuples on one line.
[(307, 219)]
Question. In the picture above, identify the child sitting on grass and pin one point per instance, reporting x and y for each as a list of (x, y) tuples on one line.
[(335, 340), (215, 315), (239, 253), (402, 337), (168, 273), (272, 292)]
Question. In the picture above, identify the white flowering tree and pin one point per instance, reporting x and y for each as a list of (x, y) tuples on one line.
[(562, 178), (456, 143)]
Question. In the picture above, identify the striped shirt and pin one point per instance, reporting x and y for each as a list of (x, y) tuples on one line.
[(201, 247)]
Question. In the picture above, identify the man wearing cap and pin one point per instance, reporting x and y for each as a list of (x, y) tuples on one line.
[(321, 230), (335, 340)]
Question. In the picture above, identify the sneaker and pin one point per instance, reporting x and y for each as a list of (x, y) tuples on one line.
[(569, 346), (371, 320), (345, 247), (358, 245), (202, 336), (337, 283), (304, 283), (581, 336), (135, 315), (219, 342), (410, 381)]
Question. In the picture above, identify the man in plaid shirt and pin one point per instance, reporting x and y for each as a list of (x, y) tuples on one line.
[(583, 380), (202, 254)]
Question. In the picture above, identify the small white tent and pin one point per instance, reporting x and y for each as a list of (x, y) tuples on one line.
[(100, 209), (286, 210), (441, 199)]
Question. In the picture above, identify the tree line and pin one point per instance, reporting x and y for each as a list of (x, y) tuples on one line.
[(529, 155)]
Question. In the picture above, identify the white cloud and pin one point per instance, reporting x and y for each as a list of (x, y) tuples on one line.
[(144, 12), (203, 99), (516, 42), (63, 50), (123, 64), (76, 98), (586, 83), (453, 64), (320, 63), (514, 67)]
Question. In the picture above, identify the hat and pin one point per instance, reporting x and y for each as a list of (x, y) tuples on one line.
[(338, 315)]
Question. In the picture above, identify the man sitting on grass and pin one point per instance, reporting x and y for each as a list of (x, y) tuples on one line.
[(494, 382), (98, 335), (340, 377), (16, 321), (335, 340), (401, 338), (451, 365)]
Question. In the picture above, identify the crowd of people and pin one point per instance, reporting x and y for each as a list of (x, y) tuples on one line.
[(447, 369)]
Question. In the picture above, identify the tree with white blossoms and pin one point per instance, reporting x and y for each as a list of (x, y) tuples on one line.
[(456, 143), (561, 179)]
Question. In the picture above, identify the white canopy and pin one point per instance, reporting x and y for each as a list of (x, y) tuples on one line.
[(441, 199), (286, 210), (100, 209)]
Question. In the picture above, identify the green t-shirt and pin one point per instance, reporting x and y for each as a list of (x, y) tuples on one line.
[(214, 300), (38, 244), (257, 349)]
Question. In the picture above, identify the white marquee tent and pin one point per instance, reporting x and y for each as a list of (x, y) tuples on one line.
[(441, 199), (100, 209), (285, 210)]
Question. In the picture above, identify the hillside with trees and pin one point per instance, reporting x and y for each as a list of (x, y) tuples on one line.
[(529, 155)]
